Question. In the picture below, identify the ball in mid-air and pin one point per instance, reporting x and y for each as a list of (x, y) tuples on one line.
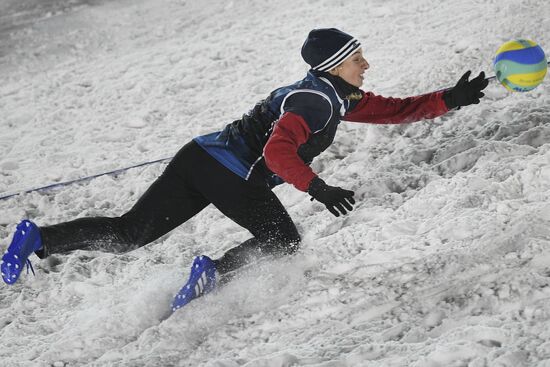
[(520, 65)]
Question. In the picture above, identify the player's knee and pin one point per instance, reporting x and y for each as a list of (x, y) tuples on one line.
[(293, 243), (285, 243)]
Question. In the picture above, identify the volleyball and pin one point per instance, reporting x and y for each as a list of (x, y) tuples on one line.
[(520, 65)]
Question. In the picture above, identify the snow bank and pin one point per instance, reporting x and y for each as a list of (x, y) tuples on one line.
[(443, 262)]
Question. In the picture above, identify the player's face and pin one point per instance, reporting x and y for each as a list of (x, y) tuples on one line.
[(352, 69)]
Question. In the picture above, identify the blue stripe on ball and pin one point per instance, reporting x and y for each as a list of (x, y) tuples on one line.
[(532, 55)]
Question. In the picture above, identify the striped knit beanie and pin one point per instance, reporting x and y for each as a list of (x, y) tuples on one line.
[(326, 48)]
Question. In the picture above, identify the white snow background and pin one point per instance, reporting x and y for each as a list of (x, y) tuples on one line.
[(444, 262)]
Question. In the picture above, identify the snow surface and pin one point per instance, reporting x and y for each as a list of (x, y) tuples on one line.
[(445, 260)]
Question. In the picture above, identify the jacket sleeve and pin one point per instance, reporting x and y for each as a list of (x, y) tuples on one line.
[(281, 151), (382, 110)]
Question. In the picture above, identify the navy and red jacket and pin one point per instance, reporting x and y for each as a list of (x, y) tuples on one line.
[(276, 141)]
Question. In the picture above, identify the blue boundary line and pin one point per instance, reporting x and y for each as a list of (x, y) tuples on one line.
[(83, 179)]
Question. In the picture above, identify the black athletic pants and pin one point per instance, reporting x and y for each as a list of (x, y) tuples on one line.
[(191, 181)]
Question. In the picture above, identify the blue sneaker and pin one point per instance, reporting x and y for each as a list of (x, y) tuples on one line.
[(201, 281), (26, 240)]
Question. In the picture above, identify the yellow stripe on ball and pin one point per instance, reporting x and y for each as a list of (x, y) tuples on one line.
[(514, 45), (528, 80)]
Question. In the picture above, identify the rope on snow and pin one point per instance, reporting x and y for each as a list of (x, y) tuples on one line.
[(82, 179)]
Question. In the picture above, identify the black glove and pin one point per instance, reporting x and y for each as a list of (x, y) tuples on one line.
[(336, 199), (466, 92)]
